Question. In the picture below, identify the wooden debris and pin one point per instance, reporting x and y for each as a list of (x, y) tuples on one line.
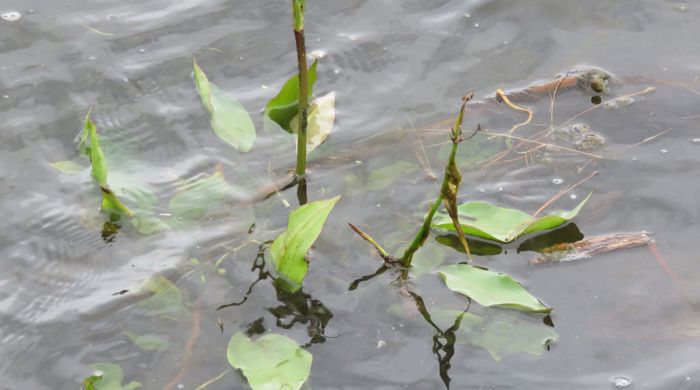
[(592, 246)]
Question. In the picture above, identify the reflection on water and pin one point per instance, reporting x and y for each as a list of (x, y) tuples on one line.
[(392, 65)]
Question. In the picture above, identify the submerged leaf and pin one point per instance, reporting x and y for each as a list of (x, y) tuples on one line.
[(67, 166), (196, 198), (485, 220), (285, 106), (290, 247), (229, 120), (165, 297), (490, 288), (271, 362), (321, 119), (110, 377), (148, 342), (501, 334)]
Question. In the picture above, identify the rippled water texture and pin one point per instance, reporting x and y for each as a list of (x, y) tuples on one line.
[(69, 299)]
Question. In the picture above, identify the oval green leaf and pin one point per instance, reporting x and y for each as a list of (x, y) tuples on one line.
[(490, 288), (271, 362), (285, 106), (290, 247), (482, 219), (229, 120)]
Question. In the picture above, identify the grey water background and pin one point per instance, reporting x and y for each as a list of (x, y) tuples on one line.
[(388, 62)]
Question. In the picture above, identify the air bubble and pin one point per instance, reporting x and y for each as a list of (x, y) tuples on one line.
[(573, 196), (11, 16), (620, 382), (557, 180), (663, 151), (695, 140)]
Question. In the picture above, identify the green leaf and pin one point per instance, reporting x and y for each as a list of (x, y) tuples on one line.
[(501, 224), (89, 382), (229, 119), (321, 119), (111, 378), (110, 203), (67, 166), (501, 334), (283, 107), (271, 362), (290, 247), (148, 342), (165, 298), (490, 288), (83, 148), (97, 156), (197, 197)]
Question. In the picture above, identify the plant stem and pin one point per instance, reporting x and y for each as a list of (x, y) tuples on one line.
[(422, 235), (298, 11)]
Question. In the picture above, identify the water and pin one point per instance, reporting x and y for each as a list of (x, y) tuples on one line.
[(392, 64)]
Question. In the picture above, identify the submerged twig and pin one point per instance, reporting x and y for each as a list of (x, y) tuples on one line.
[(212, 380), (501, 96), (592, 246)]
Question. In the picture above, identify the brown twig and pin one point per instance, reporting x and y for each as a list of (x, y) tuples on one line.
[(653, 137), (561, 193)]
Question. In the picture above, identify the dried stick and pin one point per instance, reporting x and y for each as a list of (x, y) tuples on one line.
[(562, 192)]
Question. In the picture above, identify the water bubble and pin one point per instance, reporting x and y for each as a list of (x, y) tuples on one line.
[(142, 50), (336, 71), (467, 15), (695, 140), (557, 180), (11, 16), (620, 382), (663, 151), (476, 25), (241, 58), (573, 196)]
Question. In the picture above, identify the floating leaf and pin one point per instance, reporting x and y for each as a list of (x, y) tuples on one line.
[(148, 342), (67, 166), (482, 219), (285, 106), (271, 362), (290, 247), (165, 298), (194, 199), (110, 378), (321, 119), (490, 288), (229, 120), (501, 334)]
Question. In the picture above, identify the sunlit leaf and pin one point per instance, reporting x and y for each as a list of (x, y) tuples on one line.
[(271, 362), (67, 166), (194, 199), (110, 203), (165, 297), (321, 119), (490, 288), (111, 378), (229, 119), (285, 106), (148, 342), (485, 220), (290, 247)]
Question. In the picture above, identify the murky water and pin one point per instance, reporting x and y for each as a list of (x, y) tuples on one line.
[(69, 299)]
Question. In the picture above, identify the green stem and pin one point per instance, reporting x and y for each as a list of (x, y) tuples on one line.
[(422, 235), (303, 88)]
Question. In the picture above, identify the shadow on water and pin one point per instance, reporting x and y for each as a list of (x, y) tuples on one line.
[(295, 307)]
